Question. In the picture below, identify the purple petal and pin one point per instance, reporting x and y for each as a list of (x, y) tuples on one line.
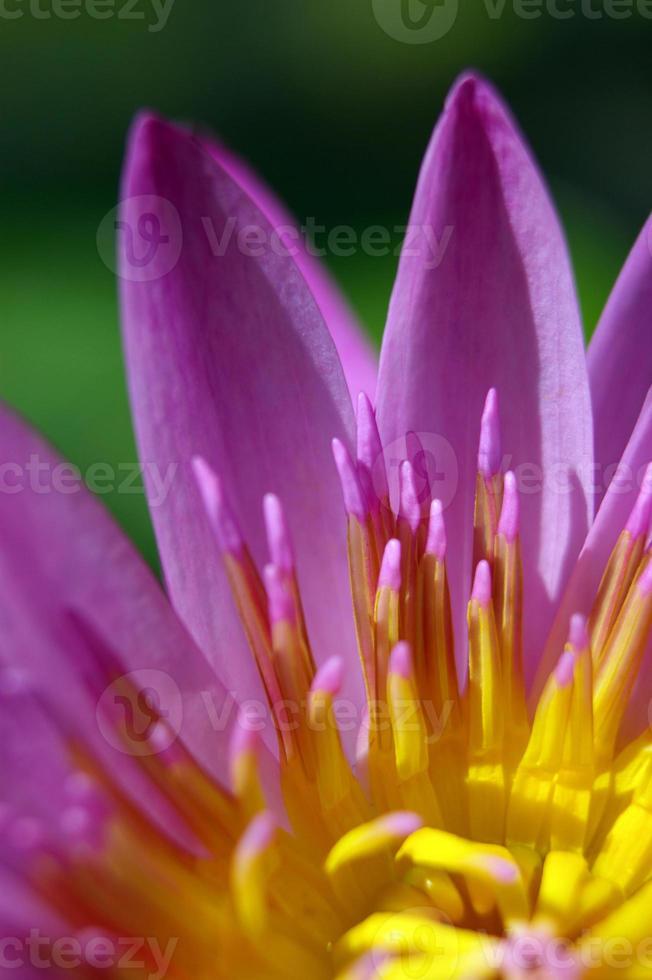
[(229, 359), (60, 553), (34, 763), (485, 298), (582, 588), (358, 359), (620, 357)]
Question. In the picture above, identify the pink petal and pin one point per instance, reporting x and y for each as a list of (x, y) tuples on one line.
[(358, 359), (229, 359), (60, 553), (495, 307), (33, 769), (582, 588), (620, 358)]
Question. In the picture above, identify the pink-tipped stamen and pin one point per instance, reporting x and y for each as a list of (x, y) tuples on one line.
[(400, 662), (351, 488), (244, 739), (510, 514), (390, 569), (278, 536), (329, 677), (369, 447), (258, 836), (409, 506), (280, 602), (482, 584), (490, 451), (220, 516), (638, 522), (417, 456), (645, 582), (578, 633), (499, 868), (565, 669), (401, 823), (436, 541)]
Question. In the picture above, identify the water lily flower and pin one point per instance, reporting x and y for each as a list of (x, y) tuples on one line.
[(390, 718)]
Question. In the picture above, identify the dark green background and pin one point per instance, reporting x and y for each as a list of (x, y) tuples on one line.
[(334, 112)]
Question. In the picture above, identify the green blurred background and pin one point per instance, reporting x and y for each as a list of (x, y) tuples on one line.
[(333, 111)]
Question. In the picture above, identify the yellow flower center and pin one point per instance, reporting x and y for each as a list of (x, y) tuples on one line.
[(470, 839)]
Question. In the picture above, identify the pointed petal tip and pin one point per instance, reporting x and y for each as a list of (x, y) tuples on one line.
[(149, 139), (478, 134), (390, 568), (464, 87), (144, 123), (482, 584), (329, 677), (151, 131), (471, 94), (436, 541)]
